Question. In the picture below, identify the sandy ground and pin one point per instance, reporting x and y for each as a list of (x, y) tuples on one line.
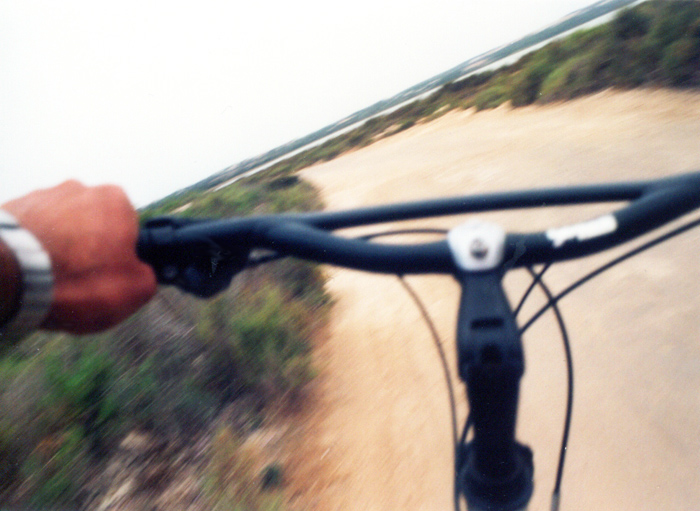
[(380, 436)]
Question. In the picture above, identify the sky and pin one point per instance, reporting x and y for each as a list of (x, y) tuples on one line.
[(154, 96)]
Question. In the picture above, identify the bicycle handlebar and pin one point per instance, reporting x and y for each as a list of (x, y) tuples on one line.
[(309, 235), (496, 471)]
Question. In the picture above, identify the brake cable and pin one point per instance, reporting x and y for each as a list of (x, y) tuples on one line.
[(537, 279), (631, 253), (459, 476), (552, 302), (438, 346)]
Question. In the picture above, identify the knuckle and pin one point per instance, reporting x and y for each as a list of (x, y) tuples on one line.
[(72, 184), (113, 194)]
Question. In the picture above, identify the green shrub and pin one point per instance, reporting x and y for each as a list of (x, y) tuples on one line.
[(229, 201), (65, 399), (78, 380), (406, 125), (491, 97), (556, 85), (305, 282), (600, 65), (528, 81), (526, 87), (138, 391), (630, 23), (643, 63), (10, 457), (298, 198), (674, 21), (584, 41), (468, 84), (681, 62), (56, 470), (262, 345)]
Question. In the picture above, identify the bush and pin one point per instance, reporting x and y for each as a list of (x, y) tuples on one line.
[(163, 397), (10, 457), (65, 399), (674, 21), (406, 125), (681, 62), (528, 81), (526, 88), (556, 85), (262, 345), (630, 23), (56, 470), (229, 201), (298, 198), (78, 379), (491, 97), (468, 84), (601, 64), (584, 41), (24, 420), (233, 478), (643, 63)]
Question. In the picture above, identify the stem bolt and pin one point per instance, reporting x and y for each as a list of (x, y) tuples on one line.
[(478, 248)]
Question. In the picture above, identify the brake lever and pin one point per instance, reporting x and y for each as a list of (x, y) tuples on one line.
[(198, 266)]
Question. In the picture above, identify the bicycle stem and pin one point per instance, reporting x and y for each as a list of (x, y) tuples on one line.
[(495, 472)]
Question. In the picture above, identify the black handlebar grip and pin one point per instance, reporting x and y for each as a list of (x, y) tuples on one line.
[(198, 266)]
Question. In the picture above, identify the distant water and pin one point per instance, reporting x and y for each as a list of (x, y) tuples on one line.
[(494, 65)]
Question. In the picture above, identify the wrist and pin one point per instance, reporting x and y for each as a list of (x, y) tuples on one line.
[(11, 280), (26, 280)]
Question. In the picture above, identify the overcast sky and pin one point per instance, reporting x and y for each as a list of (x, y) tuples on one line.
[(154, 96)]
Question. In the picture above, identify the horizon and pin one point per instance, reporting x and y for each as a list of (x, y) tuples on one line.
[(157, 100)]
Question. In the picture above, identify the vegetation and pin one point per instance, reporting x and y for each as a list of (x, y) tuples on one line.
[(232, 478), (655, 44), (175, 368), (443, 79), (169, 371)]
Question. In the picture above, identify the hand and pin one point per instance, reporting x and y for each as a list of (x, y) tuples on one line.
[(90, 235)]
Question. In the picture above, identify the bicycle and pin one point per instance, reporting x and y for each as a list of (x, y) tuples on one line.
[(493, 471)]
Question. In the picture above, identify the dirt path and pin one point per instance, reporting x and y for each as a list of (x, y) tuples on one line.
[(381, 437)]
